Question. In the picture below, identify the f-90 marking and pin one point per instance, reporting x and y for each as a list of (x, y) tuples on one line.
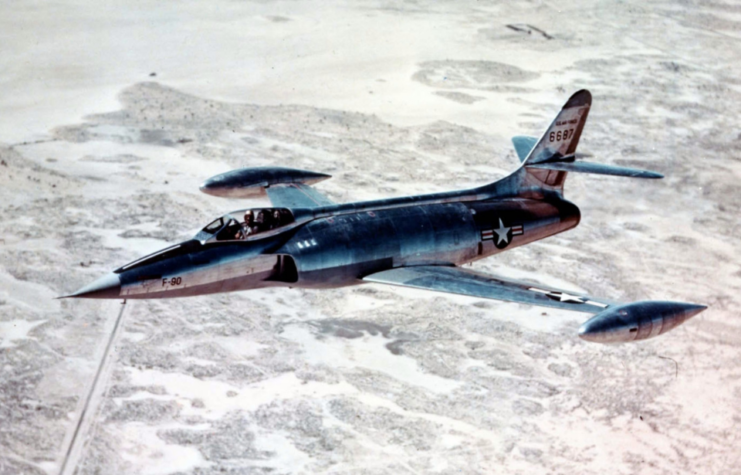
[(172, 281)]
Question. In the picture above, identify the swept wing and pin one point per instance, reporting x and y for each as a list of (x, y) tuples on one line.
[(455, 280), (286, 187), (296, 195), (613, 322)]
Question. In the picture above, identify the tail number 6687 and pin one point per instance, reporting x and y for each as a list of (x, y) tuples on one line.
[(557, 136)]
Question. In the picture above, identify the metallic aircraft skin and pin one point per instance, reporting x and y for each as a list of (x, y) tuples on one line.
[(340, 250), (414, 241)]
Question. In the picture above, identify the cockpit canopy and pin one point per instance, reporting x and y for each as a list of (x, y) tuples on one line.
[(244, 224)]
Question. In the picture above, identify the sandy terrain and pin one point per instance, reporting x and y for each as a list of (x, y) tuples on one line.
[(112, 115)]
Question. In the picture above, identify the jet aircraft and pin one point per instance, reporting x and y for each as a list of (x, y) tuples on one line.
[(306, 240)]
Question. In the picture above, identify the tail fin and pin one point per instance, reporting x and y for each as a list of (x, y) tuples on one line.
[(558, 142), (549, 160), (562, 137), (546, 161)]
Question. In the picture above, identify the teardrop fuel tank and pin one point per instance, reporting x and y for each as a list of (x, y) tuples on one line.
[(339, 250)]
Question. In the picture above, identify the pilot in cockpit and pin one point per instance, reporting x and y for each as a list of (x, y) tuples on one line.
[(248, 222), (276, 220), (259, 222)]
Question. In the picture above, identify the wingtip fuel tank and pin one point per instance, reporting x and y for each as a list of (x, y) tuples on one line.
[(637, 321), (251, 182)]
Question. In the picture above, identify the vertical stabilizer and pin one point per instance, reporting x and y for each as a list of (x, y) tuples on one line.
[(558, 141), (562, 137)]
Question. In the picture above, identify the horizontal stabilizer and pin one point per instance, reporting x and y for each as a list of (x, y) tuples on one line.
[(596, 168), (523, 144)]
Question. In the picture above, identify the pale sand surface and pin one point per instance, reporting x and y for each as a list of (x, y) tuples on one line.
[(101, 164)]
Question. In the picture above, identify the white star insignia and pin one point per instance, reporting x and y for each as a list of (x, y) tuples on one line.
[(502, 232), (564, 297)]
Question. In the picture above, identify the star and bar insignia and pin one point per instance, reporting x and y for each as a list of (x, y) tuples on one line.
[(503, 234), (559, 296)]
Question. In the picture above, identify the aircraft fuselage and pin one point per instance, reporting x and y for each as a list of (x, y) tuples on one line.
[(341, 249)]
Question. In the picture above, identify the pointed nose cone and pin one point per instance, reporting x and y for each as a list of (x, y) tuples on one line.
[(107, 287)]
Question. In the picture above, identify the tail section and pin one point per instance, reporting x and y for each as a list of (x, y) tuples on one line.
[(546, 161)]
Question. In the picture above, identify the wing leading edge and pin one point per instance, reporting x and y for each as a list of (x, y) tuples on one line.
[(612, 323), (467, 282)]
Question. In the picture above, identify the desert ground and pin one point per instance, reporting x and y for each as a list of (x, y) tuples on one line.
[(114, 113)]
